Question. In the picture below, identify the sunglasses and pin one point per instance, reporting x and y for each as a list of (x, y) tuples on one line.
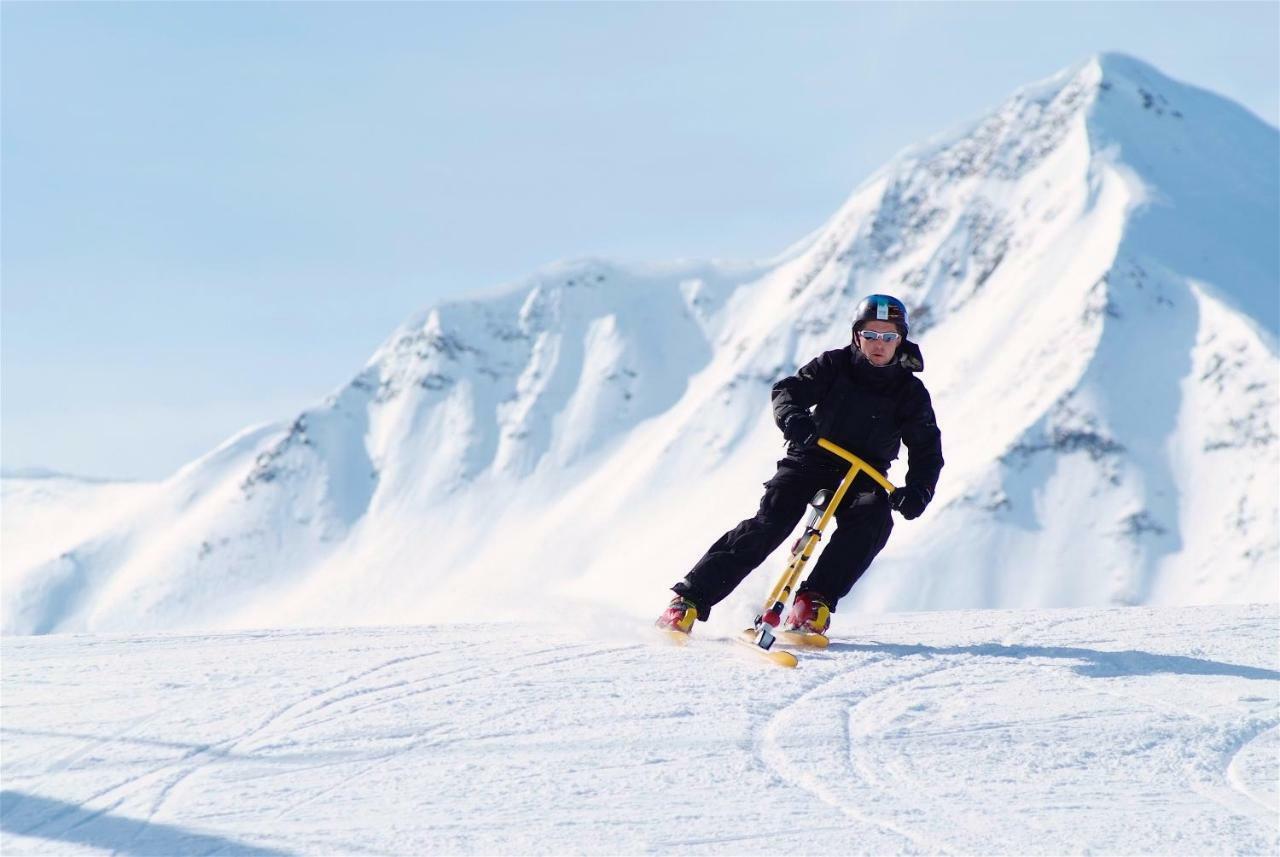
[(872, 335)]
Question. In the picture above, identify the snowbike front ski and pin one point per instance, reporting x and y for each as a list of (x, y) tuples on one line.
[(777, 657)]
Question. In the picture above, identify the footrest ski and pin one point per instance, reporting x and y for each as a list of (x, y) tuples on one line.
[(674, 638)]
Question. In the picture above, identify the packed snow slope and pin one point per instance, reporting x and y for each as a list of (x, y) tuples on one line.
[(1093, 274), (1115, 731)]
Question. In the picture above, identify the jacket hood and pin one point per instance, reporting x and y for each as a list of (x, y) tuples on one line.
[(909, 356)]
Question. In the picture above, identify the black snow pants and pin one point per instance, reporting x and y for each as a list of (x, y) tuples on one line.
[(862, 527)]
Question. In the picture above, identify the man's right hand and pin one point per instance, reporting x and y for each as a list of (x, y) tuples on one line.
[(800, 430)]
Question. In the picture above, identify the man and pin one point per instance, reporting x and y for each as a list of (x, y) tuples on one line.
[(865, 398)]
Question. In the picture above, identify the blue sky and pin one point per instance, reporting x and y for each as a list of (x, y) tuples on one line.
[(213, 213)]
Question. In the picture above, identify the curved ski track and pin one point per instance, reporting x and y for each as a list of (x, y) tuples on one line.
[(857, 774)]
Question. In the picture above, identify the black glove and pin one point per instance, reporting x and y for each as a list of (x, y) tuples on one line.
[(800, 430), (910, 500)]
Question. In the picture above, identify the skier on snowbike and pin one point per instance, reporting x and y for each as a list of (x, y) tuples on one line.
[(865, 398)]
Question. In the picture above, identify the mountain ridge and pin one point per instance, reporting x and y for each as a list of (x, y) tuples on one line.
[(1046, 259)]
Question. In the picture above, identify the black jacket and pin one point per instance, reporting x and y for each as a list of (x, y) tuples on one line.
[(867, 410)]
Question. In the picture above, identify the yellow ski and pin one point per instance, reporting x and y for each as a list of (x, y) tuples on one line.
[(777, 656), (802, 640), (675, 638), (773, 656)]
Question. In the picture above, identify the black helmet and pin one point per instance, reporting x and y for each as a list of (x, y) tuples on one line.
[(881, 308)]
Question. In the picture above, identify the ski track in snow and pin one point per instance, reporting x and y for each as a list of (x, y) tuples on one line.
[(1135, 731), (870, 774)]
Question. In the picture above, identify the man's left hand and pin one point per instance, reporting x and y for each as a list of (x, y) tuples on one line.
[(910, 500)]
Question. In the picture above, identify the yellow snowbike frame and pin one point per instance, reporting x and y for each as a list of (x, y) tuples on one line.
[(777, 601)]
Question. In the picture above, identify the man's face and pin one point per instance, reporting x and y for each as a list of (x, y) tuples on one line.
[(879, 352)]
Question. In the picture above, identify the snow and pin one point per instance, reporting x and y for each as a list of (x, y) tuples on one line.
[(328, 635), (41, 509), (1119, 730)]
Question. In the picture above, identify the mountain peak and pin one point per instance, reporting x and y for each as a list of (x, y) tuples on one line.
[(1099, 71), (1114, 65), (1090, 265)]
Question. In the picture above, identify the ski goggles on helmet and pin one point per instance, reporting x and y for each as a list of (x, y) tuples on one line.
[(872, 335)]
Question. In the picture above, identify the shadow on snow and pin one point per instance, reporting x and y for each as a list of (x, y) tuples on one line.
[(23, 814), (1098, 664)]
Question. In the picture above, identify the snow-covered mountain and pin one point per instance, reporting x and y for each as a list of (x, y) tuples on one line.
[(41, 509), (1093, 273)]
